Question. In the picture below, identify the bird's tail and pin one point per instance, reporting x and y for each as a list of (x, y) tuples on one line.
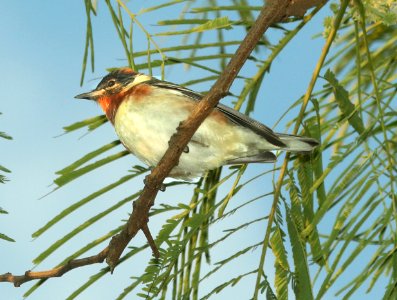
[(298, 143), (288, 142)]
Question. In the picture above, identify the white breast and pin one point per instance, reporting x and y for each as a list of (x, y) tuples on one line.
[(145, 126)]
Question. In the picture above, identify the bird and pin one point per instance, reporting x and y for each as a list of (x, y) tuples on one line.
[(146, 111)]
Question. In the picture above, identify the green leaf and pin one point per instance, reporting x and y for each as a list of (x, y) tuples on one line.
[(314, 127), (230, 7), (195, 220), (347, 108), (5, 136), (340, 185), (217, 23), (189, 47), (82, 227), (68, 177), (281, 264), (4, 169), (149, 9), (92, 244), (88, 157), (305, 177), (80, 203), (89, 40), (86, 123), (182, 22), (232, 191), (303, 287), (166, 230), (296, 203), (231, 282), (104, 271), (6, 237)]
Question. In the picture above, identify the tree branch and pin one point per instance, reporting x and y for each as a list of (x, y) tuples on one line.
[(274, 11), (18, 280)]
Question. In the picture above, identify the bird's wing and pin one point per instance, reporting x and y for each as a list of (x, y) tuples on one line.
[(233, 115), (245, 121)]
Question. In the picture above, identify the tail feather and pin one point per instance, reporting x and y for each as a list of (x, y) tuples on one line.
[(264, 157), (292, 143), (298, 143)]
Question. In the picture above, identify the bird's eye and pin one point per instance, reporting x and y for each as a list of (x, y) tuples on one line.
[(111, 83)]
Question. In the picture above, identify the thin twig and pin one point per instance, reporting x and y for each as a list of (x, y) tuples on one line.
[(18, 280), (150, 240)]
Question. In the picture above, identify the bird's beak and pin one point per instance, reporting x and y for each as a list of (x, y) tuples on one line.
[(93, 95)]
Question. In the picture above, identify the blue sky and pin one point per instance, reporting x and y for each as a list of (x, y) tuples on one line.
[(41, 56)]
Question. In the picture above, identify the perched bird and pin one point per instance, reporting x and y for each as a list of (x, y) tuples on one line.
[(145, 112)]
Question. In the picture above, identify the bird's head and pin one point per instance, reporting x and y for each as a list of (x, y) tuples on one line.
[(113, 88)]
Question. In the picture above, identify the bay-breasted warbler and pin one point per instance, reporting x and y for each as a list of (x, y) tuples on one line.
[(146, 111)]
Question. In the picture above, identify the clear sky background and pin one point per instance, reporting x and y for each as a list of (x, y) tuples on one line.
[(40, 66)]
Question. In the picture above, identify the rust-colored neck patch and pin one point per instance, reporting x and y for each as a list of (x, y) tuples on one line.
[(110, 104)]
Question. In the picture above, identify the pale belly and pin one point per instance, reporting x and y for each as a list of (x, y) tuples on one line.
[(145, 127)]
